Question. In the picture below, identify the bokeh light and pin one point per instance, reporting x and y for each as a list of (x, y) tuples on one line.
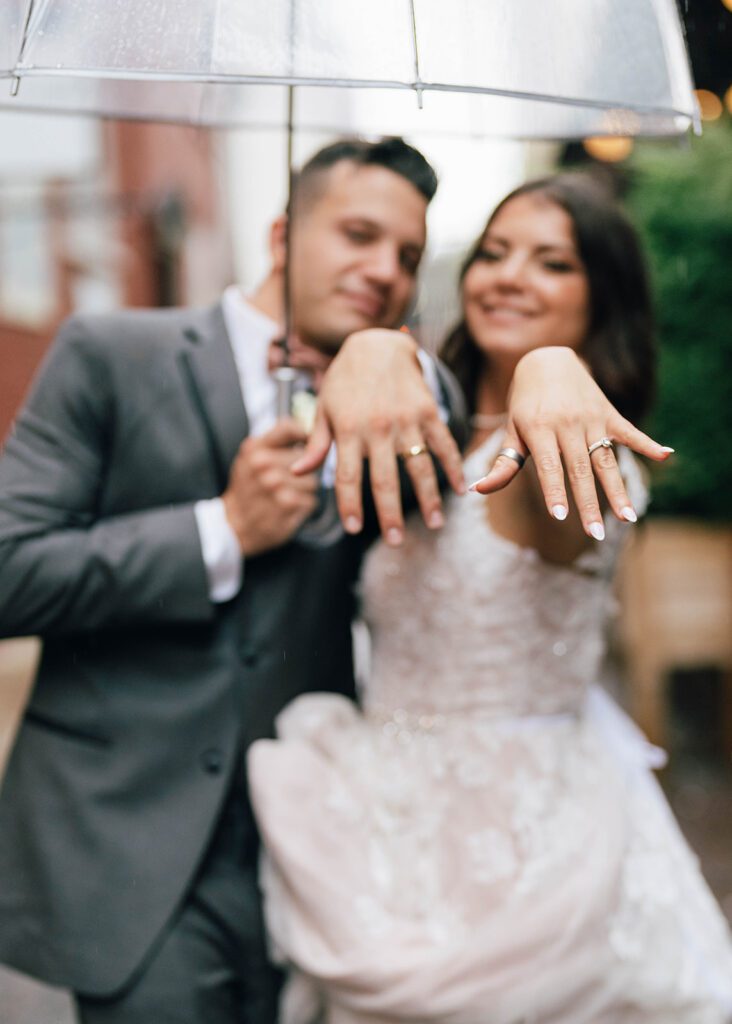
[(710, 105), (610, 149)]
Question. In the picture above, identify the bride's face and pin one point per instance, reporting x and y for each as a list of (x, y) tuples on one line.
[(527, 287)]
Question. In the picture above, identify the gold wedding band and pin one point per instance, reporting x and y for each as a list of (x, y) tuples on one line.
[(416, 449)]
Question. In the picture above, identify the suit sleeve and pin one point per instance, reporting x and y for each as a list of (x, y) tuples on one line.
[(63, 568)]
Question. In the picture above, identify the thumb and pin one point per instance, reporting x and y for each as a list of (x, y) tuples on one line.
[(317, 448), (285, 433), (505, 468)]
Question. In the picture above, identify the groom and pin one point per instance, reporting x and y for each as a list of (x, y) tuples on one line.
[(151, 533)]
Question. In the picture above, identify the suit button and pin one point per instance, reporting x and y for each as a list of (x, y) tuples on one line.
[(248, 655), (212, 761)]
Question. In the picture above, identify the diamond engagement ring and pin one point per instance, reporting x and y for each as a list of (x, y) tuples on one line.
[(511, 453), (604, 442), (416, 449)]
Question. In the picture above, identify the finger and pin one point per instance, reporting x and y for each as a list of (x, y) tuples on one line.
[(581, 476), (384, 477), (607, 471), (293, 501), (283, 460), (444, 447), (317, 447), (624, 432), (307, 484), (272, 470), (285, 433), (504, 469), (547, 457), (421, 472), (348, 482)]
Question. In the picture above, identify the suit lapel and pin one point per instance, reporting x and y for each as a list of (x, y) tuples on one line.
[(211, 378)]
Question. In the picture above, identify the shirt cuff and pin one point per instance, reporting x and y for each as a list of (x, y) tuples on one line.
[(432, 380), (220, 549)]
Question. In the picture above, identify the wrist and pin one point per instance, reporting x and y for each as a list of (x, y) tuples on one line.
[(552, 359), (234, 519), (548, 354), (381, 337), (406, 341)]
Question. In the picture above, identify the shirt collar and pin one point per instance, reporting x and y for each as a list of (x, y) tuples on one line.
[(250, 331)]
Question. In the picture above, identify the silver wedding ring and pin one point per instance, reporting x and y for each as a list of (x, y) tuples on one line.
[(511, 453), (416, 449), (604, 442)]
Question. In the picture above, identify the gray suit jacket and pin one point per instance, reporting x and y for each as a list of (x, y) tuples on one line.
[(147, 693)]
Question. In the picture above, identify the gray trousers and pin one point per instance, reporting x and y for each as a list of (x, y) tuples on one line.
[(210, 965)]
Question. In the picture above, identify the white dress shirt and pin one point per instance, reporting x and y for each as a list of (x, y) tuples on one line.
[(250, 335)]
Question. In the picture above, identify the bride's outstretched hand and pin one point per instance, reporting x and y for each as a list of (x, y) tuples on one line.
[(556, 413)]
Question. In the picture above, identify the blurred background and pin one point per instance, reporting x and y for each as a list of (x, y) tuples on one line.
[(97, 215)]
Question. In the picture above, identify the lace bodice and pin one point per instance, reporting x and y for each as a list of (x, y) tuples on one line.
[(463, 619)]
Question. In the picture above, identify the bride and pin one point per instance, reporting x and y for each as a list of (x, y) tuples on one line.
[(484, 842)]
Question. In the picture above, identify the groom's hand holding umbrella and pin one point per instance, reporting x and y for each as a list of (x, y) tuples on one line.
[(264, 502)]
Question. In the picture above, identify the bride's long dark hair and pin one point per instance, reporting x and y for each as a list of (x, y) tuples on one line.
[(620, 345)]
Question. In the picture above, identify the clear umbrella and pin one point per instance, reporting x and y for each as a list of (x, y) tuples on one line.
[(520, 68), (524, 68)]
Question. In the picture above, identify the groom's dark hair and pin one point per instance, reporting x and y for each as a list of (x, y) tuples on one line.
[(390, 152)]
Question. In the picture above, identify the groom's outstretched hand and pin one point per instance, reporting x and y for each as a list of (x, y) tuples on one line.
[(374, 403), (556, 412)]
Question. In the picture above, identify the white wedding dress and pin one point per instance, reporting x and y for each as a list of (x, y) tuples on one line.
[(484, 843)]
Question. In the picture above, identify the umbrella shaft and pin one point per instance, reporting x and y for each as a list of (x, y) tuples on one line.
[(285, 380)]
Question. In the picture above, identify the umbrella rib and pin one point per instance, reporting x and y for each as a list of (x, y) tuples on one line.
[(415, 45), (325, 128), (477, 90), (21, 50)]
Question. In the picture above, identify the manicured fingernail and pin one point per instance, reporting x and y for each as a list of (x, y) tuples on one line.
[(435, 520), (474, 486), (629, 514), (665, 448), (353, 524), (559, 512), (394, 536), (598, 531)]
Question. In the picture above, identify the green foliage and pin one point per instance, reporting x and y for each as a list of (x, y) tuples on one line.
[(681, 201)]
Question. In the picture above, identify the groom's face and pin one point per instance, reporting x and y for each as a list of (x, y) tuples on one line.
[(356, 246)]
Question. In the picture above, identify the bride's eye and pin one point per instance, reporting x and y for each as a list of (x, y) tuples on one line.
[(558, 266), (488, 255)]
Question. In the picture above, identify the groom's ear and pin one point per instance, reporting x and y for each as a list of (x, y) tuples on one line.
[(278, 243)]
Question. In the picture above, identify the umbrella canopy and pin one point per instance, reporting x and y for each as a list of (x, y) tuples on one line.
[(524, 68)]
